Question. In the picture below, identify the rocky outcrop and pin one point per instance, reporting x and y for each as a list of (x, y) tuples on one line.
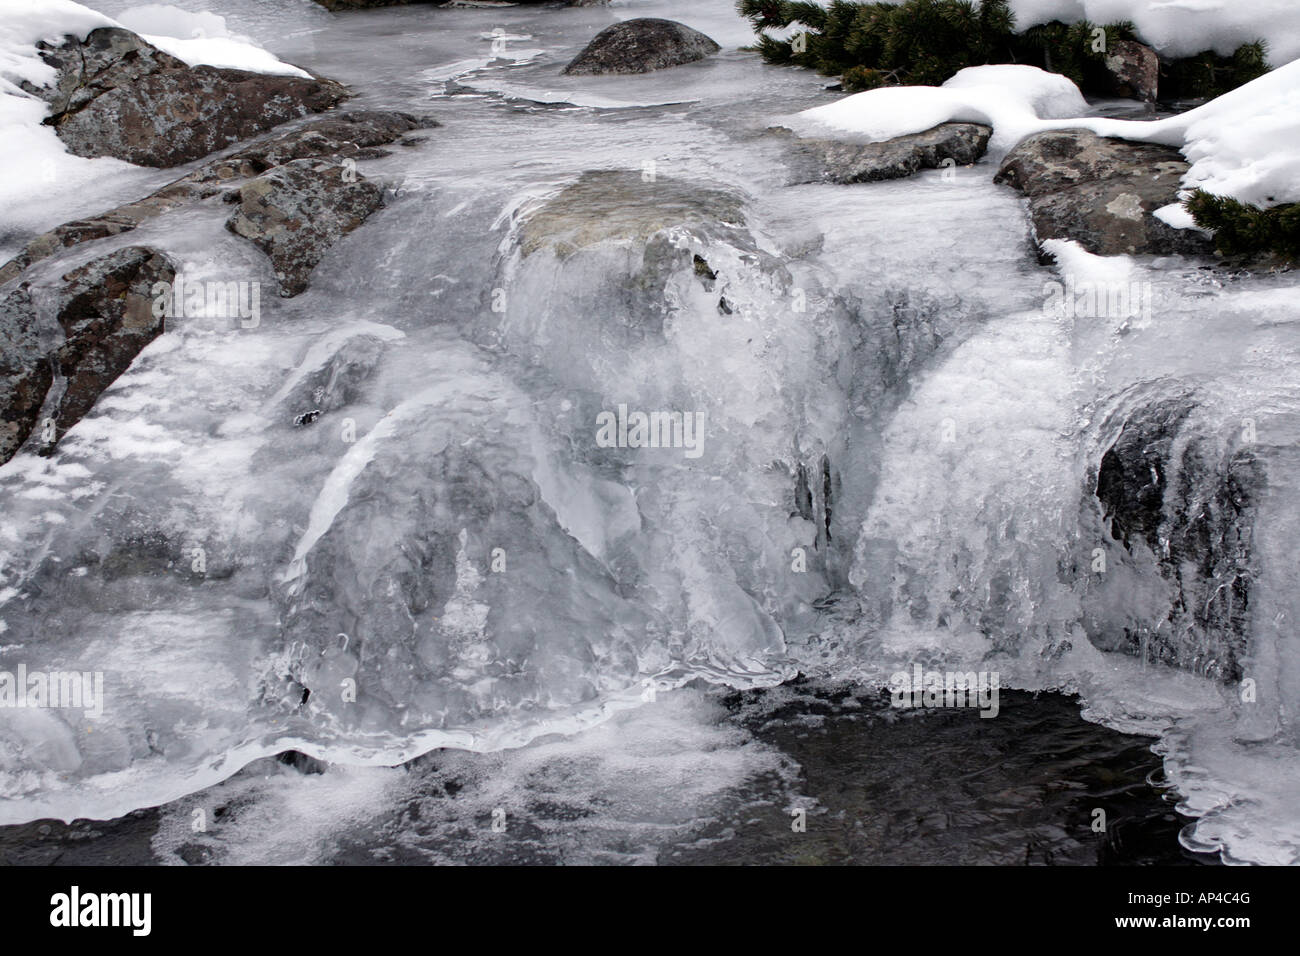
[(1101, 192), (345, 136), (53, 370), (117, 95), (295, 212), (640, 46), (1133, 71), (835, 161)]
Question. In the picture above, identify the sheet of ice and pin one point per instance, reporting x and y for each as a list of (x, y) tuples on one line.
[(165, 19)]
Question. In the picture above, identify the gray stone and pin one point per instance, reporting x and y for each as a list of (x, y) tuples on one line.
[(25, 370), (836, 161), (117, 95), (640, 46), (1134, 71), (295, 212), (1101, 192)]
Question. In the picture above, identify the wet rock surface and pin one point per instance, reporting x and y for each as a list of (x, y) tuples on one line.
[(640, 46), (1101, 192), (25, 370), (946, 145), (117, 95), (295, 212)]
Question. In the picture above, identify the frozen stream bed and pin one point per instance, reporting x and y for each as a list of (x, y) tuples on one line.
[(898, 452)]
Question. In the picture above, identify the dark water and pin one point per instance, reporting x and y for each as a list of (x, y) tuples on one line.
[(880, 786)]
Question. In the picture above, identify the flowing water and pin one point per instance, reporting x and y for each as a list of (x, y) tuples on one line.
[(898, 458)]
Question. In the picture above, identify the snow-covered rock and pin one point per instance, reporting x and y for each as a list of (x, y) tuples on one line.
[(1241, 144), (40, 179), (1011, 98)]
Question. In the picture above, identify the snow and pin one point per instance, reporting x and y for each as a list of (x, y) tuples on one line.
[(30, 154), (164, 19), (1012, 99), (24, 23), (1245, 143), (201, 39), (1242, 144), (224, 52)]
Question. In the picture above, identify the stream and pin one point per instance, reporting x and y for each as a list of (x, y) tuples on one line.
[(655, 654)]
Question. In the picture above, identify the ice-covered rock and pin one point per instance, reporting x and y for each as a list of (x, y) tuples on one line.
[(103, 317), (1181, 501)]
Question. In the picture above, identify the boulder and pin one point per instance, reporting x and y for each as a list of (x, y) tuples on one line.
[(117, 95), (295, 212), (640, 46), (103, 317), (623, 205), (1133, 71), (1101, 192), (355, 135), (836, 161)]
